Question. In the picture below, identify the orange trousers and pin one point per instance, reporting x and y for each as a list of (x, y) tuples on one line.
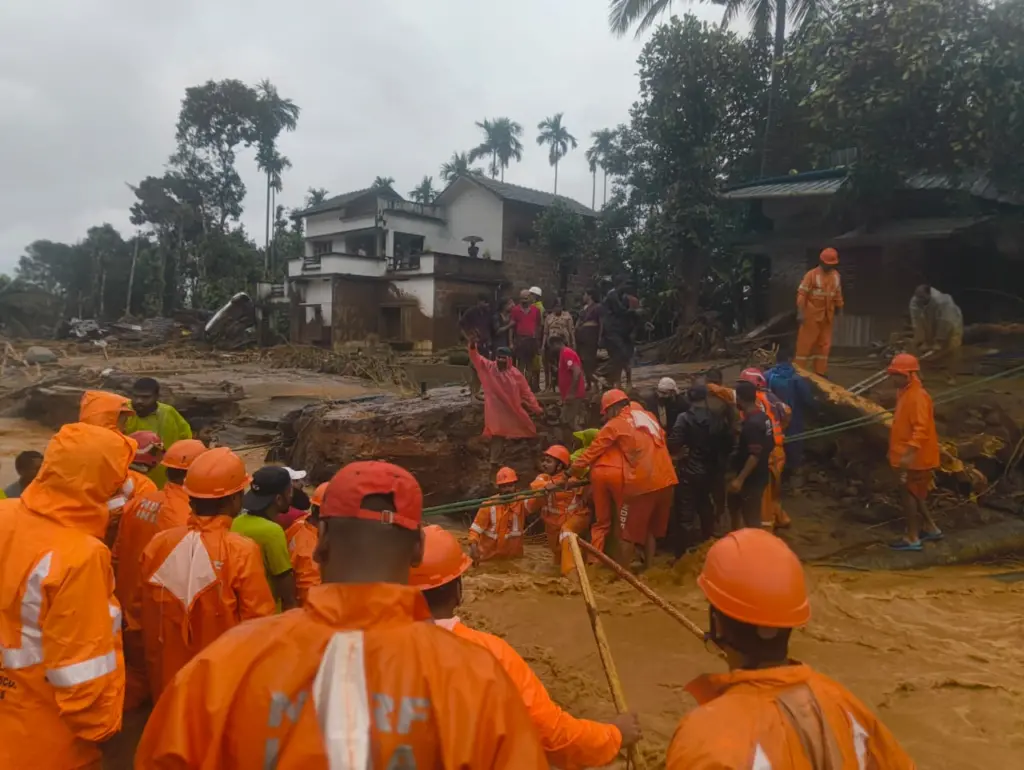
[(646, 515), (813, 344), (136, 684), (772, 513), (606, 484), (558, 539)]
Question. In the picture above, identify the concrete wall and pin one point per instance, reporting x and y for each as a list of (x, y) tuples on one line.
[(318, 226), (336, 264), (355, 312), (473, 211)]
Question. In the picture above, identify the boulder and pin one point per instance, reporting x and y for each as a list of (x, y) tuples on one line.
[(37, 354)]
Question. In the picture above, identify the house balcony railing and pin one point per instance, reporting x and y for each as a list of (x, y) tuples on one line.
[(405, 263), (414, 209), (311, 264)]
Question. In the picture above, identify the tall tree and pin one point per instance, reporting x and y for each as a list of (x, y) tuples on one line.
[(501, 143), (273, 114), (315, 196), (561, 233), (424, 192), (556, 136), (598, 154), (456, 166)]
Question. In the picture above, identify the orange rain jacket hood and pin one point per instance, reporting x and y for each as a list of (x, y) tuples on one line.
[(60, 627), (913, 427), (102, 408), (779, 718), (570, 743), (354, 678)]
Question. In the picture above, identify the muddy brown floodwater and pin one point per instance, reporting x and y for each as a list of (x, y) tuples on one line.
[(937, 654)]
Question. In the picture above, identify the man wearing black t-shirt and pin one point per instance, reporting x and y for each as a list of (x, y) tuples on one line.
[(751, 459)]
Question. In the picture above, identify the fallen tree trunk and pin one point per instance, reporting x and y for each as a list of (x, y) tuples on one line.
[(841, 405)]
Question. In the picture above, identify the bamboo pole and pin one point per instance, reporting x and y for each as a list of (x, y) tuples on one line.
[(618, 696), (656, 600)]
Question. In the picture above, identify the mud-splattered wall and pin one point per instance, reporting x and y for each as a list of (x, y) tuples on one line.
[(357, 304)]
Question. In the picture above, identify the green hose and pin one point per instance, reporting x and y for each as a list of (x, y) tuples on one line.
[(472, 505)]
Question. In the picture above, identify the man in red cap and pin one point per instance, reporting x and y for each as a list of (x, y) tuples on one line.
[(354, 678), (818, 300)]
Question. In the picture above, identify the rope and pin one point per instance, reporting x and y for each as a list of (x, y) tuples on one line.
[(471, 505)]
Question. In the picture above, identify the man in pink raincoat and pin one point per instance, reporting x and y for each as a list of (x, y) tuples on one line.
[(507, 396)]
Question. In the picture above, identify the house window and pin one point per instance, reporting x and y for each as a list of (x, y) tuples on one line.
[(320, 248)]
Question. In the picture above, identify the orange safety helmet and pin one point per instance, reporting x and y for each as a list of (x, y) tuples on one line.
[(559, 452), (829, 256), (506, 476), (182, 453), (443, 560), (216, 473), (754, 376), (150, 448), (753, 577), (904, 363), (318, 494), (612, 397)]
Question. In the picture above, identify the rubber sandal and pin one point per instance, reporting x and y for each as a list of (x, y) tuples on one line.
[(904, 545), (931, 537)]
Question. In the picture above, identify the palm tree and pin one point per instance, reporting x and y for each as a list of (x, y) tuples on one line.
[(501, 143), (456, 166), (625, 14), (598, 154), (315, 196), (424, 192), (382, 182), (273, 115), (558, 139)]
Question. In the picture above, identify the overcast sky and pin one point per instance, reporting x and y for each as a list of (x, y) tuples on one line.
[(91, 88)]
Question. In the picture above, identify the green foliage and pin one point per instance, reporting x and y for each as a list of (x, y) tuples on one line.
[(556, 136), (424, 192), (458, 165), (501, 144), (382, 183), (562, 234)]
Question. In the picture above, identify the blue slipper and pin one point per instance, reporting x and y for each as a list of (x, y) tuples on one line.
[(904, 545), (930, 537)]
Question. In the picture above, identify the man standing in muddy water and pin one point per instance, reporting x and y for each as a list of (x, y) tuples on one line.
[(770, 712)]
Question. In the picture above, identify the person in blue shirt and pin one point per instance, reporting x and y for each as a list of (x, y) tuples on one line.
[(793, 390)]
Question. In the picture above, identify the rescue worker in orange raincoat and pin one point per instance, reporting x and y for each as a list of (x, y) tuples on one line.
[(497, 530), (638, 482), (563, 509), (570, 743), (354, 678), (769, 711), (199, 580), (62, 678), (301, 535), (111, 411), (914, 451), (773, 515), (818, 299), (143, 518)]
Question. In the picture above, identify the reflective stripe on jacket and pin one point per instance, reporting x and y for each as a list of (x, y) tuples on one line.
[(820, 294), (786, 718), (62, 689), (498, 530), (355, 679)]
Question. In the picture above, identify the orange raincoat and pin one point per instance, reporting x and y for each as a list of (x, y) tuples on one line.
[(913, 427), (563, 511), (196, 582), (570, 743), (389, 689), (776, 719), (144, 516), (772, 512), (302, 538), (62, 682), (819, 296), (498, 530)]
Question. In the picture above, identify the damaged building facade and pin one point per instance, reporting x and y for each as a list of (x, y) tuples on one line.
[(964, 238), (377, 267)]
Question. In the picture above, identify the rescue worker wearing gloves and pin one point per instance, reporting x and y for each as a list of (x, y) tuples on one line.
[(770, 711), (62, 683), (773, 515), (818, 299), (497, 530), (143, 518), (111, 411), (913, 451), (570, 743), (564, 510), (354, 678), (938, 327), (199, 580)]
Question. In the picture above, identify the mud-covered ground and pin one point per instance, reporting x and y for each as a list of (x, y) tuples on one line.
[(936, 654)]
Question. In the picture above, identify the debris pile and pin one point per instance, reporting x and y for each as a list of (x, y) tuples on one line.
[(379, 366)]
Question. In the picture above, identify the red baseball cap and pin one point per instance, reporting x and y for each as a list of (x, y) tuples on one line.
[(344, 495)]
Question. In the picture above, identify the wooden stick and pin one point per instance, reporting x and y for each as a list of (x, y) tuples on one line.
[(618, 696), (656, 600)]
